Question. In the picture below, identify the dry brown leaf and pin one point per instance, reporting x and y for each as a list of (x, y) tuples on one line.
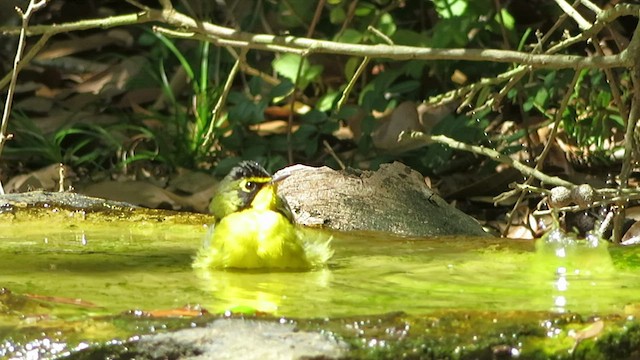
[(46, 179), (191, 182), (95, 41), (459, 77), (34, 105), (588, 332), (183, 312), (149, 195), (59, 118), (112, 81), (404, 118), (135, 97), (272, 127), (431, 115), (136, 193), (62, 300)]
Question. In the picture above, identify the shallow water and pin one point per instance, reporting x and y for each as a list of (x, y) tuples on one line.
[(111, 267)]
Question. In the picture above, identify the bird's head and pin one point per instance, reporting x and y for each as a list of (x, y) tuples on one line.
[(248, 185)]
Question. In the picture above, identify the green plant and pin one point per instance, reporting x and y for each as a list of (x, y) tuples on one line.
[(79, 145)]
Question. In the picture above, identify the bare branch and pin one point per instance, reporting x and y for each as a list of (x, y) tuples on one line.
[(26, 15)]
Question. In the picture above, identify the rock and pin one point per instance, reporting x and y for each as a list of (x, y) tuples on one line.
[(227, 339), (393, 199)]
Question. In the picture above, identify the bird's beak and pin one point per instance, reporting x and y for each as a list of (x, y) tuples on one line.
[(279, 176)]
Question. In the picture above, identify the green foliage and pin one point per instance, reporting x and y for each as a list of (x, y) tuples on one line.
[(292, 65), (79, 145), (183, 130), (175, 130), (438, 157), (592, 118)]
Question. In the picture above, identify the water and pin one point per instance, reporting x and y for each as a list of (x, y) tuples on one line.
[(110, 267)]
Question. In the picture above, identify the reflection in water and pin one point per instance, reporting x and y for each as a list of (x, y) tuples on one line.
[(573, 263), (148, 267), (263, 292)]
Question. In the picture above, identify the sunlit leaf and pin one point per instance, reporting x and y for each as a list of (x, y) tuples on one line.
[(288, 65), (386, 24), (450, 8), (325, 103), (350, 36), (351, 66), (542, 96), (364, 9), (508, 20)]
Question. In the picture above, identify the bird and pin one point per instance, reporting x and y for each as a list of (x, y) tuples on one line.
[(255, 229)]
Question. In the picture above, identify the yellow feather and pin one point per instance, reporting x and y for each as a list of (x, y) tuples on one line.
[(260, 237)]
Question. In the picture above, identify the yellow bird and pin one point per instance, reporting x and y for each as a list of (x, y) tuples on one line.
[(255, 228)]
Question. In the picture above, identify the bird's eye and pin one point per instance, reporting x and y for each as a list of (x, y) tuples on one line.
[(249, 186)]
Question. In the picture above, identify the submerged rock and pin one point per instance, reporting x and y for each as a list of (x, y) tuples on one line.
[(227, 339)]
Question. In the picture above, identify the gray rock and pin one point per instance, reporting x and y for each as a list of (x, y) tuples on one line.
[(239, 339), (393, 199)]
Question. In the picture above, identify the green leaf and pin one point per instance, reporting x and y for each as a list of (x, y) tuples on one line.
[(350, 36), (410, 38), (364, 9), (404, 87), (287, 65), (386, 24), (528, 105), (236, 97), (255, 85), (325, 103), (347, 112), (450, 8), (314, 117), (351, 66), (337, 15), (509, 21), (281, 90), (541, 97)]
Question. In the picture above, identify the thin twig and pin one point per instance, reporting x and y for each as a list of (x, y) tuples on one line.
[(575, 15), (26, 59), (380, 34), (294, 44), (630, 154), (333, 154), (26, 16), (490, 153), (292, 110), (352, 82), (347, 21), (503, 30), (215, 114), (614, 84), (496, 101), (316, 18), (591, 6), (547, 146)]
